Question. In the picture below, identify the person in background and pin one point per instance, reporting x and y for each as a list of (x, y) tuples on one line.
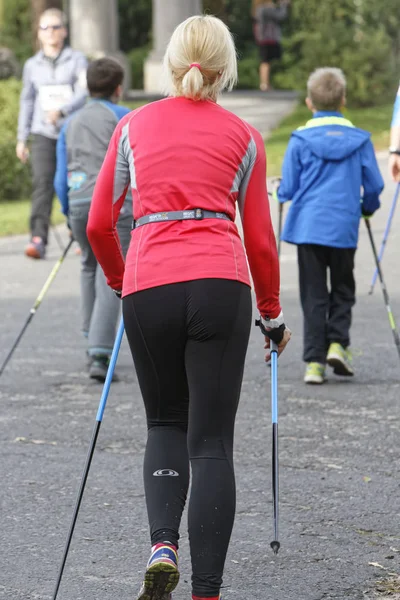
[(394, 150), (81, 149), (267, 18), (186, 291), (54, 86), (326, 165)]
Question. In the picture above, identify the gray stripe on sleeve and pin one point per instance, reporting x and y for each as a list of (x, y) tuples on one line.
[(123, 170), (243, 175), (129, 155)]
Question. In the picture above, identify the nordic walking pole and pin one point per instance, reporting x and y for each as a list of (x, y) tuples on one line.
[(38, 302), (275, 544), (57, 237), (386, 235), (392, 321), (99, 418)]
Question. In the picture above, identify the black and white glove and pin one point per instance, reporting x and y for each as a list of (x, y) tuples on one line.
[(118, 293), (272, 328)]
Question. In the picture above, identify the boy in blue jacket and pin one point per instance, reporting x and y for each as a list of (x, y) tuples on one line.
[(81, 149), (328, 165)]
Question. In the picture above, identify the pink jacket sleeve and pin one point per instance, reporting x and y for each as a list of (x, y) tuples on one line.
[(258, 232), (108, 197)]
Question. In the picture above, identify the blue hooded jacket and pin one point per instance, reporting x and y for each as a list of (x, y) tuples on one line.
[(329, 165)]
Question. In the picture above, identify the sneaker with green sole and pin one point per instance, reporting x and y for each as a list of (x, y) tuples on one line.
[(339, 359), (315, 373)]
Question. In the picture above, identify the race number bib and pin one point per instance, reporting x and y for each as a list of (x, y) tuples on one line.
[(54, 97)]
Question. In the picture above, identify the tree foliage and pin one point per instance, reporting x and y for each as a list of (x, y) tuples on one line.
[(135, 23), (360, 36), (350, 34)]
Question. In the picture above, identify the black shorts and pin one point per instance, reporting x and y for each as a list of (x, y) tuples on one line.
[(270, 52)]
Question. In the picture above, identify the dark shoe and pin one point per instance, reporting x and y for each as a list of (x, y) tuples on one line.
[(36, 248), (99, 367)]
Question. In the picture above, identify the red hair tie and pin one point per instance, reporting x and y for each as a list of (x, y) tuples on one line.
[(195, 65)]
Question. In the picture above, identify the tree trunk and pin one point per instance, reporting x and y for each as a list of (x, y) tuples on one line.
[(37, 7)]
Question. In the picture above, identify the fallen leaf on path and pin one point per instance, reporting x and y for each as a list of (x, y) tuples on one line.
[(38, 442)]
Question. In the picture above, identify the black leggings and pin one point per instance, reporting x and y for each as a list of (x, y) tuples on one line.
[(189, 341)]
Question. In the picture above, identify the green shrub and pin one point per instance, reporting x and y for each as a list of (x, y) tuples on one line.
[(137, 58), (16, 28), (341, 34), (248, 67), (15, 178)]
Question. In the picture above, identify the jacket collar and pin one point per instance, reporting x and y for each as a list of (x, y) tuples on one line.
[(327, 113), (65, 54)]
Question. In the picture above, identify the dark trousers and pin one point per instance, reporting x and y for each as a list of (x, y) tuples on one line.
[(188, 341), (327, 313), (43, 169)]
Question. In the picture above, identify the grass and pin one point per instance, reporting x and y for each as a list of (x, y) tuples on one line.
[(133, 105), (376, 120), (15, 216)]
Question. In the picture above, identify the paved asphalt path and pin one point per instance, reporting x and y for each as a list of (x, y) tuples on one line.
[(339, 452)]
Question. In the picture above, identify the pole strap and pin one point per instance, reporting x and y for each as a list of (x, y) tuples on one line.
[(197, 214)]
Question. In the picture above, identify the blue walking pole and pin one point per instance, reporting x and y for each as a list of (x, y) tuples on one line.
[(275, 544), (99, 418), (385, 236)]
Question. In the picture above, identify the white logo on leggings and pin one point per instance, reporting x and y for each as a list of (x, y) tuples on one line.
[(165, 473)]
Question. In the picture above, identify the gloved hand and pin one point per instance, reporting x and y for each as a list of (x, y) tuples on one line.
[(118, 293), (366, 214)]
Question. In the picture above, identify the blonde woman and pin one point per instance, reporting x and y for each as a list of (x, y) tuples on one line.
[(267, 17), (186, 291)]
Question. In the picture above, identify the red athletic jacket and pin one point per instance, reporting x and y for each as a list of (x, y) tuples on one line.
[(178, 154)]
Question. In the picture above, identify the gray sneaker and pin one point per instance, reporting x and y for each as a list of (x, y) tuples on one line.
[(99, 367)]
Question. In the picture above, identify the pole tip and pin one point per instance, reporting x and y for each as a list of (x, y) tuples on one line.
[(275, 545)]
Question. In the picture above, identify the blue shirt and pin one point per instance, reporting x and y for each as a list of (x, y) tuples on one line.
[(328, 167)]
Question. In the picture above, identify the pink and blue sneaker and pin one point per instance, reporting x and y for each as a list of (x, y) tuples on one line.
[(162, 575)]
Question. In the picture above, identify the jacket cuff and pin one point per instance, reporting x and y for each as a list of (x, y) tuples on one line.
[(273, 323)]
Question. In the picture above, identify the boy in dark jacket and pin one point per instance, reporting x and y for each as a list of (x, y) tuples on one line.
[(81, 149), (327, 164)]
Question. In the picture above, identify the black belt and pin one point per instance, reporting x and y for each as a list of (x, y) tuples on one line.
[(198, 214)]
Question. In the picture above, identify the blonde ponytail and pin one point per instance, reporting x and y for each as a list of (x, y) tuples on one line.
[(200, 60), (193, 82)]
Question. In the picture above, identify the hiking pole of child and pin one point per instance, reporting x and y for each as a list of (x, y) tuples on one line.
[(275, 545), (385, 235), (38, 302), (99, 418), (274, 195), (280, 219), (57, 237), (392, 321)]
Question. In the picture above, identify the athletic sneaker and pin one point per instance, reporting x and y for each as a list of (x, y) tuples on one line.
[(36, 248), (98, 367), (315, 373), (162, 575), (339, 359)]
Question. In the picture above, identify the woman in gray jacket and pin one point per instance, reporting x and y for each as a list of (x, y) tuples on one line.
[(54, 86), (267, 17)]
